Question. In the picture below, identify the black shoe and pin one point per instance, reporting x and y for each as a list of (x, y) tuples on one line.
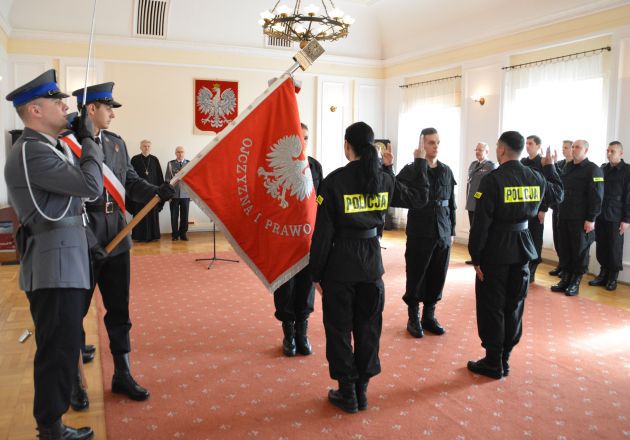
[(302, 343), (486, 368), (345, 397), (361, 389), (87, 357), (432, 326), (563, 283), (184, 237), (415, 328), (601, 279), (611, 285), (89, 349), (68, 433), (288, 343), (468, 262), (555, 272), (573, 289), (78, 398), (175, 238), (124, 383), (505, 364), (532, 272)]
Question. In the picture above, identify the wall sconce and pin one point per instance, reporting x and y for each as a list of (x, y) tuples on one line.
[(481, 100)]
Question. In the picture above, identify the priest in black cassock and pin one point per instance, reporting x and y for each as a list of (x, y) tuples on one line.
[(148, 167)]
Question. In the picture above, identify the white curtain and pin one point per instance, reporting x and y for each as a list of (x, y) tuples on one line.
[(434, 104), (560, 100)]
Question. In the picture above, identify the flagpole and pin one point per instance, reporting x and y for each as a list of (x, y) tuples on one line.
[(87, 67), (303, 59)]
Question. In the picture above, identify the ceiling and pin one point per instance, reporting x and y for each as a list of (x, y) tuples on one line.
[(384, 29)]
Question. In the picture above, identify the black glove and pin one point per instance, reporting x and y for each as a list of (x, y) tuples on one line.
[(82, 126), (166, 192)]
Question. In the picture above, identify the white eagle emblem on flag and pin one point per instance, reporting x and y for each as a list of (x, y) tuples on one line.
[(217, 107), (289, 172)]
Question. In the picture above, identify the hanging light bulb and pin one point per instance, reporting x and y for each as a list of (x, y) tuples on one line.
[(283, 10), (336, 13), (266, 15), (311, 10)]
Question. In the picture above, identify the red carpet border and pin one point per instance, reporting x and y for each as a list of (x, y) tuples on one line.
[(206, 344)]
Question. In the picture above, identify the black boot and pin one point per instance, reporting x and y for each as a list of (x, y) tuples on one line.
[(489, 366), (611, 283), (58, 431), (345, 397), (88, 348), (78, 398), (601, 279), (123, 382), (573, 289), (413, 324), (50, 432), (555, 272), (429, 323), (361, 388), (532, 272), (288, 343), (505, 363), (87, 357), (564, 282), (302, 343)]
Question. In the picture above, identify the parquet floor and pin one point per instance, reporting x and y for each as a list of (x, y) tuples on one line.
[(16, 359)]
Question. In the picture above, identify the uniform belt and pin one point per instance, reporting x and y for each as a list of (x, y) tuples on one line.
[(443, 203), (107, 208), (357, 233), (66, 222), (511, 227)]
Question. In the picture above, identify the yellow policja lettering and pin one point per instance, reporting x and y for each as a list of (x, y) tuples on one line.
[(521, 194), (354, 203)]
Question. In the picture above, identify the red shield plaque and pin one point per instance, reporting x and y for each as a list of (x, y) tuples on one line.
[(216, 104)]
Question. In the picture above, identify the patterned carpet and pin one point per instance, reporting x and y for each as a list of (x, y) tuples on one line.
[(207, 346)]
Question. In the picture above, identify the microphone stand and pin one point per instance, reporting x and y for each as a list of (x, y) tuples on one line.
[(214, 250)]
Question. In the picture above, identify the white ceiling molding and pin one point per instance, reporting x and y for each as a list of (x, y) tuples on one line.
[(6, 27)]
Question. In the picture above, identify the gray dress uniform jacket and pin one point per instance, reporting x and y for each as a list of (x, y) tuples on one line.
[(104, 227), (173, 168), (56, 258), (476, 172)]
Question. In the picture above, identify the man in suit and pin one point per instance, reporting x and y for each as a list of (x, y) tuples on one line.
[(180, 202), (477, 169), (45, 185), (294, 300), (106, 214)]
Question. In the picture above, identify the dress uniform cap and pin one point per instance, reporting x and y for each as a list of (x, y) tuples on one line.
[(97, 93), (44, 86)]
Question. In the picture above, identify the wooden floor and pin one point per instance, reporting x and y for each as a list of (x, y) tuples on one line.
[(16, 359)]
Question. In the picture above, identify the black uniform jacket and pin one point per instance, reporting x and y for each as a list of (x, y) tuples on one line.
[(507, 196), (436, 219), (536, 164), (583, 191), (616, 206), (344, 208), (316, 172), (104, 227)]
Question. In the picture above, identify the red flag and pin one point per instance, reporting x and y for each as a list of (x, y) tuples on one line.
[(254, 179)]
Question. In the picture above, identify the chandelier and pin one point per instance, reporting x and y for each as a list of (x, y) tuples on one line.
[(306, 24)]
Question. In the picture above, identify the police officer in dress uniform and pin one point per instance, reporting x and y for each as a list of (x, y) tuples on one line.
[(429, 236), (501, 247), (294, 300), (537, 224), (614, 218), (584, 191), (180, 202), (568, 156), (45, 185), (346, 264), (476, 171), (106, 220)]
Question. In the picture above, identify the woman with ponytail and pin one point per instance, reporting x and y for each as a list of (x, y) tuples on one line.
[(346, 264)]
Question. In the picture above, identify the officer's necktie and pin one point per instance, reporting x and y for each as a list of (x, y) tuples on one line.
[(97, 140), (59, 147)]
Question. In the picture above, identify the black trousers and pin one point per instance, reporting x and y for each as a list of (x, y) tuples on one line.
[(555, 219), (353, 310), (57, 314), (609, 248), (426, 262), (471, 217), (179, 216), (536, 229), (500, 302), (294, 300), (113, 278), (574, 246)]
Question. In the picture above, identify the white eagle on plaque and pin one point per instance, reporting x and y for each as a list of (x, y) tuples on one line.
[(217, 106), (289, 172)]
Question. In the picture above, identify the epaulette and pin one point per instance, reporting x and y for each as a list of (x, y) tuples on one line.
[(111, 133)]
